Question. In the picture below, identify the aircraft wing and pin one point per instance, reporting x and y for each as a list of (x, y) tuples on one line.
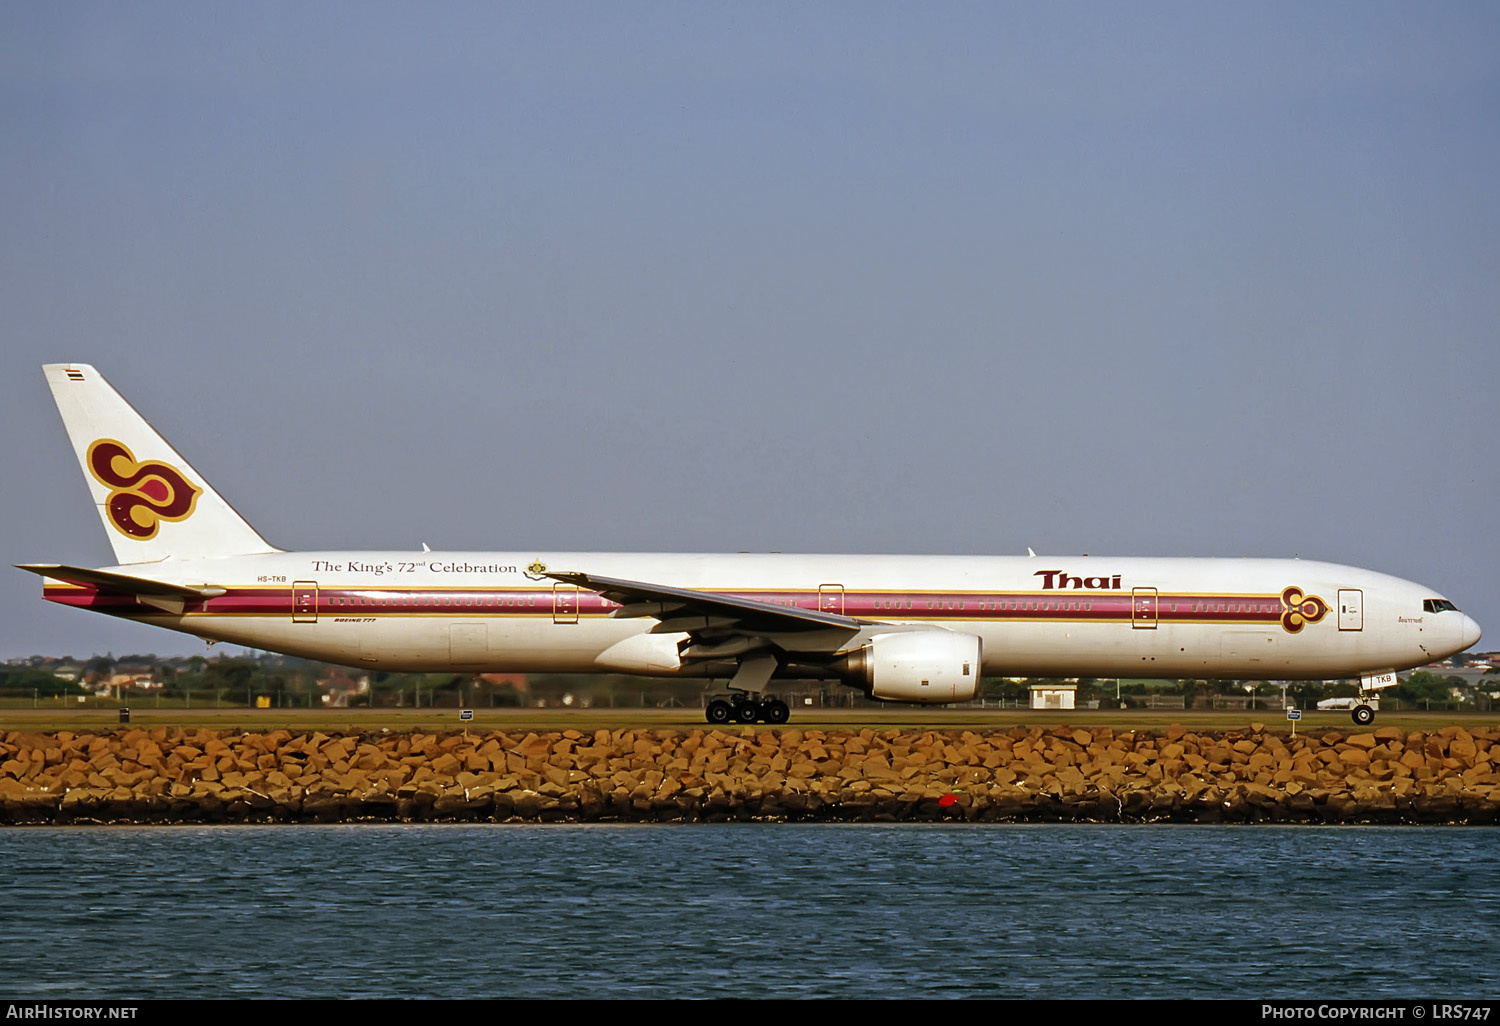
[(756, 638), (707, 613)]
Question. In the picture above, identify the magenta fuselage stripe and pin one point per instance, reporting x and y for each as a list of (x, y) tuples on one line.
[(1046, 607)]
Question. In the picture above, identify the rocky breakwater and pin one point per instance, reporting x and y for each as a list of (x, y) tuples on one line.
[(1022, 774)]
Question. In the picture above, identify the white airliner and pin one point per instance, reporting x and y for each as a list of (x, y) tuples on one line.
[(919, 629)]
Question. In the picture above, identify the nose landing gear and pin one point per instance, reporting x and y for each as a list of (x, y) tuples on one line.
[(1368, 702)]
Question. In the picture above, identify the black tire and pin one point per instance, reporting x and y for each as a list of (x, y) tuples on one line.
[(747, 712), (1363, 715), (776, 711), (718, 711)]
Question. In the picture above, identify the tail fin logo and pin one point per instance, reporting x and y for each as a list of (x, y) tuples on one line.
[(141, 494)]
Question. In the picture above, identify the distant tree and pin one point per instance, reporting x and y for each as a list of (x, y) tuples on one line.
[(27, 680), (998, 688), (235, 678), (1306, 694), (1426, 686), (101, 666)]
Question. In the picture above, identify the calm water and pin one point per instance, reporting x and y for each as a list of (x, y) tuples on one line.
[(749, 910)]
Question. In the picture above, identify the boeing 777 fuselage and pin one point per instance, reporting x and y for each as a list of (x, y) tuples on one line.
[(919, 629)]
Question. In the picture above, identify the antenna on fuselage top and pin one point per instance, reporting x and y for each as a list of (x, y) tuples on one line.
[(1030, 553)]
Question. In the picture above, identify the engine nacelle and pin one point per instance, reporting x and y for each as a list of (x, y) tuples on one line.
[(927, 667)]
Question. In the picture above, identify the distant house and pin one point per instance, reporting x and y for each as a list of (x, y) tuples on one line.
[(338, 687), (1054, 695), (517, 681), (119, 683)]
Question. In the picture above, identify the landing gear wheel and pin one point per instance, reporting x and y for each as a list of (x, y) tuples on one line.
[(776, 711), (718, 711), (746, 712), (1363, 715)]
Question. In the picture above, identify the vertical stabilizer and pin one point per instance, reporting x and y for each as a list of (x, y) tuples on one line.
[(153, 504)]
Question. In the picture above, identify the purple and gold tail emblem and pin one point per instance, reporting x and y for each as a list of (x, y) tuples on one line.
[(141, 494), (1298, 610)]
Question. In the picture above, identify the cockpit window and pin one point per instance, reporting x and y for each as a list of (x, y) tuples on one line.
[(1437, 605)]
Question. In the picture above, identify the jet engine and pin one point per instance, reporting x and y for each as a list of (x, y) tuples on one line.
[(930, 667)]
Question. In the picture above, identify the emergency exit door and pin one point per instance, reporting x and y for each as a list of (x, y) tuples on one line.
[(1351, 606), (564, 603), (304, 602), (1143, 608)]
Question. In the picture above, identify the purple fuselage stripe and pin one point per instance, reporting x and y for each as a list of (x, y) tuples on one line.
[(1048, 607)]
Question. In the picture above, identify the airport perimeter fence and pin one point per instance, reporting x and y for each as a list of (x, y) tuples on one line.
[(843, 698)]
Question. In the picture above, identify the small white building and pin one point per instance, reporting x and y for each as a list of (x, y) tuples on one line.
[(1053, 696)]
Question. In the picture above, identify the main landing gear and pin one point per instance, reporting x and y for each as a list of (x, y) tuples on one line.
[(746, 701), (747, 709)]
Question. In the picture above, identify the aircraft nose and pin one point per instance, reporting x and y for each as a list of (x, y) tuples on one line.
[(1470, 633)]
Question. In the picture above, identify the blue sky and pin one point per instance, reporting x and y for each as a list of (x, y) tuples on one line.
[(1138, 279)]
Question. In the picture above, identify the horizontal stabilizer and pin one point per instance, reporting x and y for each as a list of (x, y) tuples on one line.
[(119, 582)]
